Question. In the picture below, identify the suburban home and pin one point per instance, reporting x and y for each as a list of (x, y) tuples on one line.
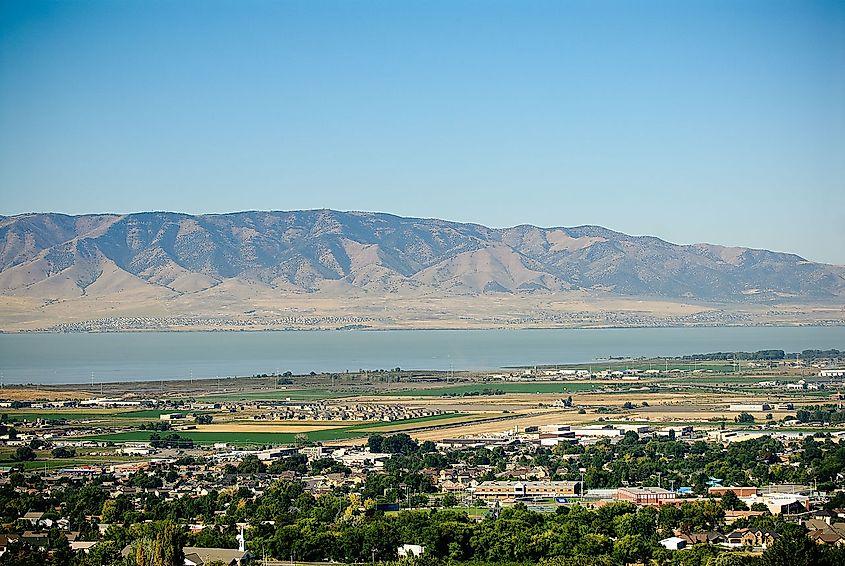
[(756, 538), (823, 532), (33, 517)]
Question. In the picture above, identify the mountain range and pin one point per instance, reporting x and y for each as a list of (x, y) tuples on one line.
[(326, 253)]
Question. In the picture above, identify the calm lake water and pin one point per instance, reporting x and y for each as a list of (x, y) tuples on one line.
[(71, 358)]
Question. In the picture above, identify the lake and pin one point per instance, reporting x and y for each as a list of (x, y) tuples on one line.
[(71, 358)]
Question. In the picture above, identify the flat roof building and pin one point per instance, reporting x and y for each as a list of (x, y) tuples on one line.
[(511, 490), (645, 495)]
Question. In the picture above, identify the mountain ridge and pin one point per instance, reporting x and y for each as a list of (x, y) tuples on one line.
[(304, 251), (324, 269)]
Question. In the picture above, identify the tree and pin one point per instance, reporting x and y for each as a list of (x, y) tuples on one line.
[(400, 443), (24, 454), (375, 442), (167, 546), (732, 502), (251, 465), (204, 419), (60, 551), (793, 548), (632, 549), (20, 553), (104, 552), (62, 452)]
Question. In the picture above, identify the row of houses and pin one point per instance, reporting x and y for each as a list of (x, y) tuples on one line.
[(358, 412)]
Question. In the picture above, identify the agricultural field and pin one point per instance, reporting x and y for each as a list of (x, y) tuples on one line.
[(98, 415), (278, 432)]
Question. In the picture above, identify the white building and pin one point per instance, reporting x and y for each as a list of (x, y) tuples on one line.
[(673, 543), (410, 550), (837, 372)]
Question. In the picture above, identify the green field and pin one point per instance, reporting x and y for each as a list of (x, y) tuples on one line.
[(83, 415), (275, 438)]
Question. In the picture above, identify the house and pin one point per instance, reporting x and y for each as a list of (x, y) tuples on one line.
[(755, 538), (82, 545), (6, 540), (33, 517), (823, 532), (673, 543)]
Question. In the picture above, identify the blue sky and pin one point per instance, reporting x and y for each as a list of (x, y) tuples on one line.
[(692, 121)]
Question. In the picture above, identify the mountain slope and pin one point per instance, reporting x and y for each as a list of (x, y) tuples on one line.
[(319, 252)]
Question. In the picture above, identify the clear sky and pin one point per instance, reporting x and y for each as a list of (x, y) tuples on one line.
[(716, 121)]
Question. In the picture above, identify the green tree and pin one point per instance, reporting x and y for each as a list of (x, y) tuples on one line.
[(251, 465), (793, 548), (62, 452), (632, 549), (24, 454), (167, 546)]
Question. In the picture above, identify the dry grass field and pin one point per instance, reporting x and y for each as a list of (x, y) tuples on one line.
[(569, 309), (32, 394)]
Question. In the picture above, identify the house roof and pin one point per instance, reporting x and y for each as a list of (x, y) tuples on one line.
[(206, 555)]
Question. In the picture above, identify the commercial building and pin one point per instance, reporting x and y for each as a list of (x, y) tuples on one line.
[(719, 491), (512, 491), (552, 435), (645, 495)]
